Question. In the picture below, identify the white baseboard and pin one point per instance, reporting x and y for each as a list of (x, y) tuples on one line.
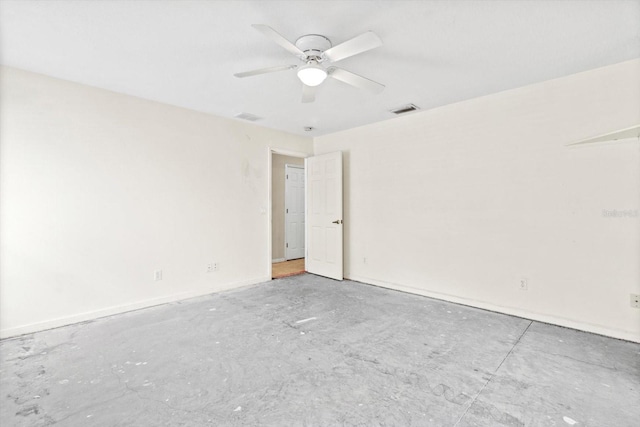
[(109, 311), (540, 317), (278, 260)]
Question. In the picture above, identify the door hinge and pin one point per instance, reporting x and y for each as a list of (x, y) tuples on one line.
[(287, 245), (287, 210), (287, 176)]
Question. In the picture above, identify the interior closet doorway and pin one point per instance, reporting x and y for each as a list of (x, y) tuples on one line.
[(294, 241), (287, 215)]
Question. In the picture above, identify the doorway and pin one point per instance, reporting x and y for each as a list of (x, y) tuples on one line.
[(287, 215), (293, 212), (323, 198)]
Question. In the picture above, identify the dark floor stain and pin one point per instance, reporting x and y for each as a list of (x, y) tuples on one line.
[(29, 410), (487, 411)]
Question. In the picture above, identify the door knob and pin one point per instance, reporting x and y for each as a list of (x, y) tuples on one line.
[(337, 221)]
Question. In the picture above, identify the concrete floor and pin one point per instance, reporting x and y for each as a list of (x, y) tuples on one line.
[(310, 351)]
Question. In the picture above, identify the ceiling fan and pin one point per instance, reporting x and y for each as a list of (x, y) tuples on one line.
[(315, 51)]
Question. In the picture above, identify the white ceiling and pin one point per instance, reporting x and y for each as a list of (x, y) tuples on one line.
[(435, 52)]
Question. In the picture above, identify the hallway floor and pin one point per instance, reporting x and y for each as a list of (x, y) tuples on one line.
[(310, 351), (287, 268)]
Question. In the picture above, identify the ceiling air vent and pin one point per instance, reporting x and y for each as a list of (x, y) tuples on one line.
[(405, 109), (247, 116)]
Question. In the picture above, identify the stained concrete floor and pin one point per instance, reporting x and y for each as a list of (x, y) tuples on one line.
[(308, 351)]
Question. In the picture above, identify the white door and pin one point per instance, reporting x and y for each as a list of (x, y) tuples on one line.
[(293, 212), (324, 215)]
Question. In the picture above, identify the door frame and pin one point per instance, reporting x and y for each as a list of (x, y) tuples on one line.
[(284, 152)]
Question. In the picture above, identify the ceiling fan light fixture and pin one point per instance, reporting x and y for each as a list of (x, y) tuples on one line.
[(312, 74)]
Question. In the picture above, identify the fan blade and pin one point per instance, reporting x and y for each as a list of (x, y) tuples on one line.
[(276, 37), (308, 93), (356, 45), (265, 70), (354, 80)]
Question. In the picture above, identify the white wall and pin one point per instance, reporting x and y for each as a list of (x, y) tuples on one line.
[(462, 201), (99, 189)]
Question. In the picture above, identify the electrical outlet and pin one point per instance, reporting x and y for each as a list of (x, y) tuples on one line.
[(157, 275), (635, 300), (209, 267), (523, 284)]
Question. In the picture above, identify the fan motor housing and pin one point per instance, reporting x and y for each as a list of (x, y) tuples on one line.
[(313, 45)]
